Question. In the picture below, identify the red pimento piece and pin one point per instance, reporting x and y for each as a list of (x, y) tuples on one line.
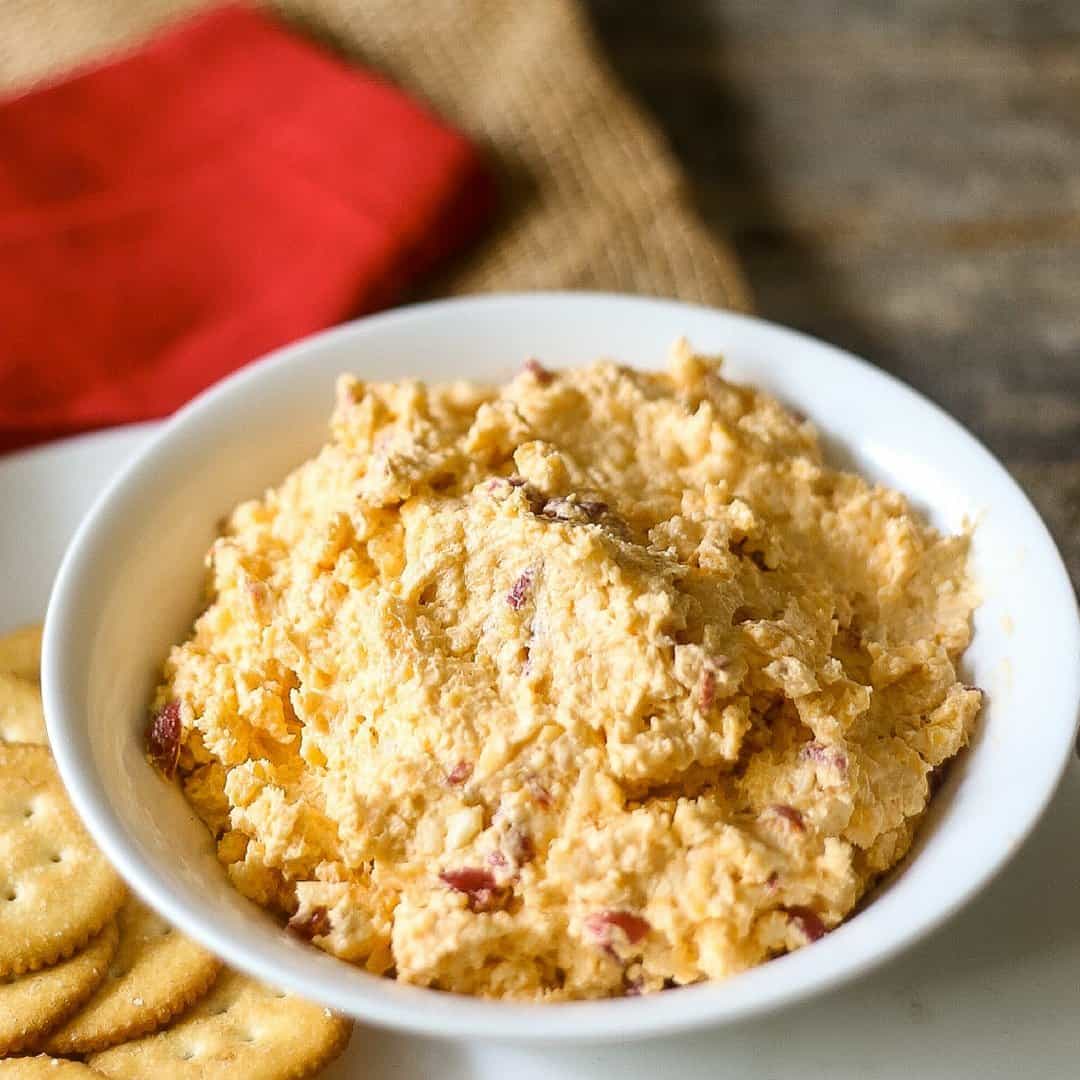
[(316, 924), (789, 814), (520, 844), (825, 755), (496, 858), (520, 590), (808, 921), (468, 879), (477, 884), (459, 773), (163, 738), (537, 370), (707, 695), (600, 925)]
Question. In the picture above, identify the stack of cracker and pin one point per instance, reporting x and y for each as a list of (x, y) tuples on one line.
[(94, 983)]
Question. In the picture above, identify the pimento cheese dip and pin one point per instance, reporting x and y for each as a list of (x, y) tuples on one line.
[(593, 684)]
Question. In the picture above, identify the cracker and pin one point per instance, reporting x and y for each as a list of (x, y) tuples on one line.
[(155, 973), (20, 652), (56, 889), (45, 1068), (22, 719), (32, 1004), (241, 1028)]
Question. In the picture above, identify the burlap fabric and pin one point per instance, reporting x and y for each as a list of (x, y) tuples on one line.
[(591, 197)]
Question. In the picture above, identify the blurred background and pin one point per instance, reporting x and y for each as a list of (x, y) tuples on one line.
[(902, 179)]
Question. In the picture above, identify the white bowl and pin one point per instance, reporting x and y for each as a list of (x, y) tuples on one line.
[(132, 578)]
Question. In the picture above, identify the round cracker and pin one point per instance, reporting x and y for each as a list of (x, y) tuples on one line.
[(241, 1028), (22, 720), (45, 1068), (32, 1004), (155, 973), (20, 652), (56, 889)]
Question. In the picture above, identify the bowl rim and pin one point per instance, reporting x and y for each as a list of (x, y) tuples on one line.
[(422, 1010)]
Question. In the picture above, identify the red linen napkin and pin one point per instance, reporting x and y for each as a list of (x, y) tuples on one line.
[(226, 188)]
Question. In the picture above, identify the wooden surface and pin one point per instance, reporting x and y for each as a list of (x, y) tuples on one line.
[(902, 180)]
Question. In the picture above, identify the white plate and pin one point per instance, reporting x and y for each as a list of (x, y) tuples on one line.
[(994, 993)]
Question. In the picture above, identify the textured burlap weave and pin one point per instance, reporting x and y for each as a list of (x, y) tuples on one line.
[(591, 197)]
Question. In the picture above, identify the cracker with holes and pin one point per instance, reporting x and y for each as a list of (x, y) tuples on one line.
[(241, 1028), (20, 652), (155, 973), (45, 1068), (30, 1005), (21, 717), (56, 889)]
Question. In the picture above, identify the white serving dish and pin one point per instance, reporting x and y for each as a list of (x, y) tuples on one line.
[(131, 580)]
